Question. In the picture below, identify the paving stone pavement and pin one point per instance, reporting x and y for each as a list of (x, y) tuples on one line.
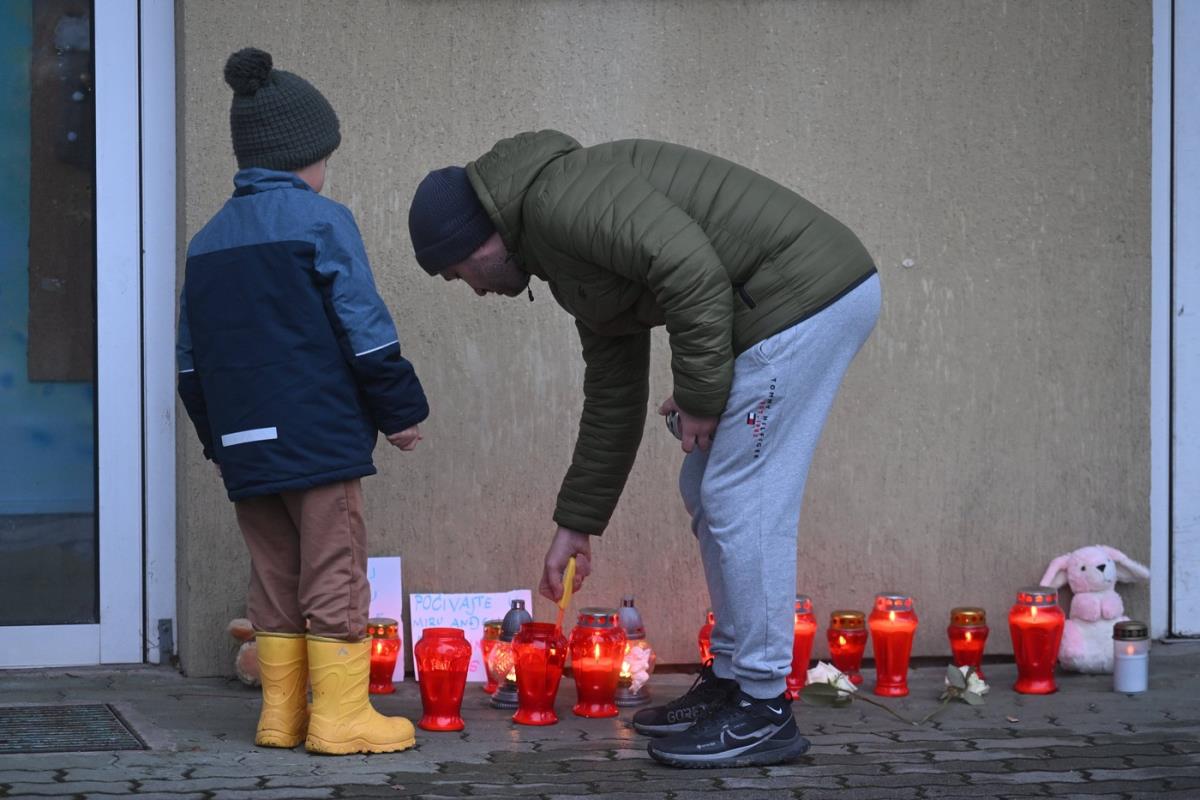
[(1083, 742)]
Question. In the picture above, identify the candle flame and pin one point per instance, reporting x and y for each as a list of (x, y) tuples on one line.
[(626, 672), (1129, 649), (1033, 611), (968, 636), (891, 616), (842, 640), (511, 675), (596, 651)]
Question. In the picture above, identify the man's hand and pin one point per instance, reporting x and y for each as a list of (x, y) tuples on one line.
[(697, 431), (566, 543), (406, 439)]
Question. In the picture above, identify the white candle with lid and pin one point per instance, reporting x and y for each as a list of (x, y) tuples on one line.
[(1131, 656)]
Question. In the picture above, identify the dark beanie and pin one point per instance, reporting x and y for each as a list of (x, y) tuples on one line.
[(446, 221), (278, 120)]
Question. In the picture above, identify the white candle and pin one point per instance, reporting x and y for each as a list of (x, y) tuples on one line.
[(1131, 657)]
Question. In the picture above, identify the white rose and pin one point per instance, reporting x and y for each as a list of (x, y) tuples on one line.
[(827, 673), (975, 684)]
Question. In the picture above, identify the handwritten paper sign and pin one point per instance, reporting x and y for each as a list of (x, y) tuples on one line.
[(387, 599), (466, 611)]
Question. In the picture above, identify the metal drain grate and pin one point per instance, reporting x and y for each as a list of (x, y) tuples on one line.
[(64, 729)]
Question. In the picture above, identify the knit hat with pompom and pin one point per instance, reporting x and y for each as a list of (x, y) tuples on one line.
[(278, 120)]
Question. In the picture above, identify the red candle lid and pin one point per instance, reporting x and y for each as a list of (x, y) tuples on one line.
[(1037, 596), (893, 601), (968, 616), (844, 620), (597, 618), (382, 628)]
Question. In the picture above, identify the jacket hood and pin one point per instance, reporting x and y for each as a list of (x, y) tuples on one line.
[(503, 175)]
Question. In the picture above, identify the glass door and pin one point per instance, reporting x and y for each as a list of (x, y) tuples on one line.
[(70, 350)]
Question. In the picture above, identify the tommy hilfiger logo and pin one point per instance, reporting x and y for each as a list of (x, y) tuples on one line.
[(759, 417)]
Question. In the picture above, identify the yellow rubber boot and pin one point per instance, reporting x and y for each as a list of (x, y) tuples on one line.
[(343, 720), (283, 668)]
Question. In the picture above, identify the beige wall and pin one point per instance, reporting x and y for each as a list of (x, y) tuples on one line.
[(994, 157)]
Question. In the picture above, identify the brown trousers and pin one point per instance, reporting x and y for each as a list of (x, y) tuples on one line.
[(308, 561)]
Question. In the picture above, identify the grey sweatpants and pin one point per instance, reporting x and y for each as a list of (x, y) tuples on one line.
[(744, 494)]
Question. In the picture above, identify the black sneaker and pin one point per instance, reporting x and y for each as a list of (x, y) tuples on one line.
[(743, 732), (679, 714)]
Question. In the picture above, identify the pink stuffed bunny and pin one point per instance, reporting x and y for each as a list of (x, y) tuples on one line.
[(1092, 573)]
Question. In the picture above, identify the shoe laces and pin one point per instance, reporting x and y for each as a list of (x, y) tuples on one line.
[(714, 711), (706, 684)]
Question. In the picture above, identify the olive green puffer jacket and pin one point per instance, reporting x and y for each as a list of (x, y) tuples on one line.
[(635, 234)]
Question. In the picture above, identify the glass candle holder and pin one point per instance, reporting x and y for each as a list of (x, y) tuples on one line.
[(639, 657), (487, 644), (892, 624), (504, 660), (847, 637), (705, 637), (638, 652), (443, 656), (540, 651), (597, 649), (804, 630), (968, 632), (385, 648), (1131, 657), (1036, 624)]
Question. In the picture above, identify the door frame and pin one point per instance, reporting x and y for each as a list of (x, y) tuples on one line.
[(135, 298), (1175, 572), (160, 253), (1161, 124)]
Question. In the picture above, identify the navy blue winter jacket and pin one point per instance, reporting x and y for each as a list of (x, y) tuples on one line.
[(288, 359)]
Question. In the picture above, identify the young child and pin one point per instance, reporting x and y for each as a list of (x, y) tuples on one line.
[(289, 365)]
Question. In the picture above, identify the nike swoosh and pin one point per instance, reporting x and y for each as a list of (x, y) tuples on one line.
[(776, 710), (758, 734)]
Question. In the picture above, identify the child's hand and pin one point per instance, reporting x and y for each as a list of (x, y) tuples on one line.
[(406, 439)]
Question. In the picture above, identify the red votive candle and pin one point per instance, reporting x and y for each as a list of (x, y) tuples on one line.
[(892, 624), (968, 632), (487, 647), (385, 647), (705, 637), (540, 652), (1036, 624), (597, 650), (443, 656), (804, 630), (847, 637)]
